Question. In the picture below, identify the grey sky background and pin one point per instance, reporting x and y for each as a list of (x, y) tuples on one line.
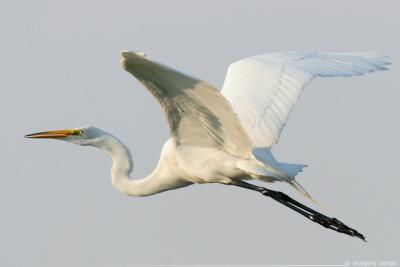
[(60, 69)]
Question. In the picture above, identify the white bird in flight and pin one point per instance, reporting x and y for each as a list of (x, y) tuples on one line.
[(224, 136)]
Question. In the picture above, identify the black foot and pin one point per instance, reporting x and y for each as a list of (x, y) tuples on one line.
[(325, 221), (336, 225)]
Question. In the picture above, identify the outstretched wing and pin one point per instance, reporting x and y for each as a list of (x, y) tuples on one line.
[(197, 113), (263, 89)]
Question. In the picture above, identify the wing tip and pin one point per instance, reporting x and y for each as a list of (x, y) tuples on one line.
[(125, 53), (128, 54)]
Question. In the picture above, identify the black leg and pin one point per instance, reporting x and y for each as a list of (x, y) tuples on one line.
[(325, 221)]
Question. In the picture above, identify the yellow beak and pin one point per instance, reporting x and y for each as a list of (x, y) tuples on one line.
[(55, 134)]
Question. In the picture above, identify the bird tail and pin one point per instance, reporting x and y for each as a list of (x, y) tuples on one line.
[(290, 168), (296, 185), (285, 172)]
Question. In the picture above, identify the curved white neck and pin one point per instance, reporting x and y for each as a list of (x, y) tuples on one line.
[(122, 167)]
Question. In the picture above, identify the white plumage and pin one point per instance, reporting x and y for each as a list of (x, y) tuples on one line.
[(224, 137)]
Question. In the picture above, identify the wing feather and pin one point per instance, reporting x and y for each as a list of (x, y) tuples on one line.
[(264, 89), (196, 112)]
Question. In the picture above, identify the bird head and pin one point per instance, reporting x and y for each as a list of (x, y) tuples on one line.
[(87, 135)]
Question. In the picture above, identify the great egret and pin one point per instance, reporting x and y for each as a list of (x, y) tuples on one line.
[(224, 137)]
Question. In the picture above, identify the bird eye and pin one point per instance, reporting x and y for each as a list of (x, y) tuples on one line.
[(78, 132)]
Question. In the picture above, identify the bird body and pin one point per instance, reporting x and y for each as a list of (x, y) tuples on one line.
[(178, 166), (224, 136)]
